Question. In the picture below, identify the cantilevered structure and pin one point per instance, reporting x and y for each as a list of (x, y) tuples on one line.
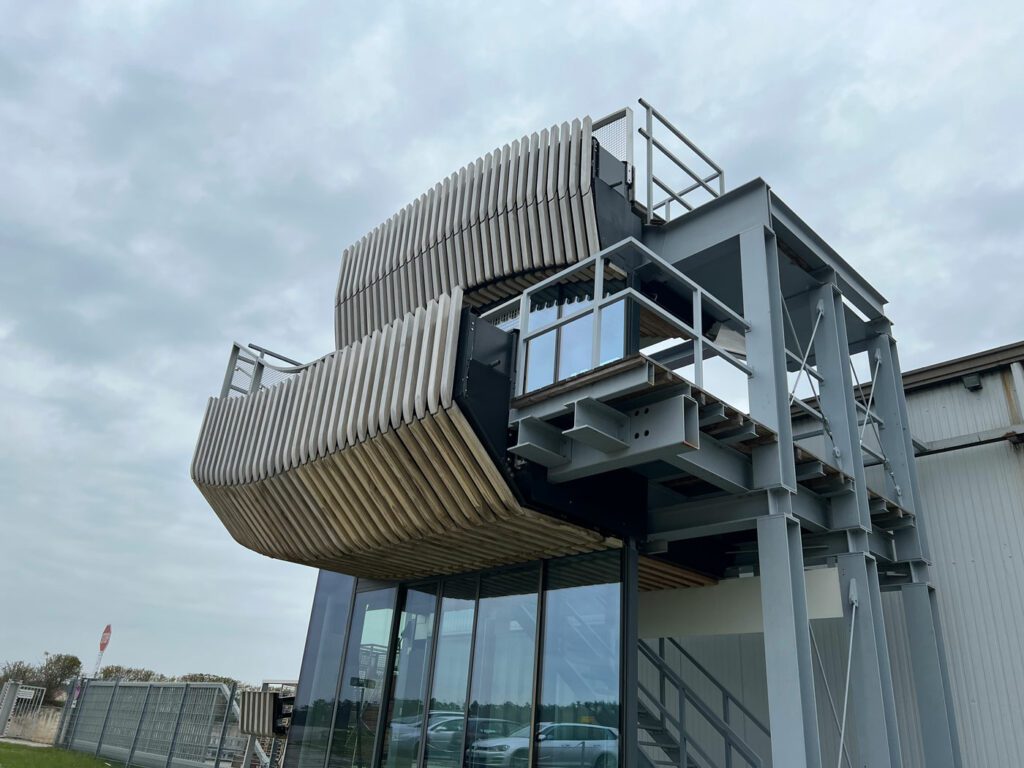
[(584, 404)]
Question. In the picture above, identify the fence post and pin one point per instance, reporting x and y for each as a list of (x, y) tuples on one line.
[(224, 725), (69, 699), (138, 728), (106, 717), (177, 727), (78, 712)]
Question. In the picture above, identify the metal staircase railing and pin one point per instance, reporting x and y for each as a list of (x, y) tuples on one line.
[(667, 728)]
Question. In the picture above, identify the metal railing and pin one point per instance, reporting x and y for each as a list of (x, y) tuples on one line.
[(588, 279), (248, 370), (710, 181), (733, 743), (156, 725), (663, 141)]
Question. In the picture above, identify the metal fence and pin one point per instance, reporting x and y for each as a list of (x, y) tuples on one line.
[(158, 725), (18, 701)]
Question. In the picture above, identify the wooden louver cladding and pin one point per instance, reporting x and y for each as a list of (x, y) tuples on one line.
[(493, 228), (363, 463)]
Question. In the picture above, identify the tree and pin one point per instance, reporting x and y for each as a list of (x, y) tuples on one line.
[(56, 671), (19, 671), (200, 677), (130, 674)]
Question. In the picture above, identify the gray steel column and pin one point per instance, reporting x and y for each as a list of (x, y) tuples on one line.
[(871, 692), (630, 648), (911, 542), (177, 727), (65, 714), (792, 713), (224, 725), (931, 679), (106, 717), (832, 357), (78, 712), (138, 728), (766, 356)]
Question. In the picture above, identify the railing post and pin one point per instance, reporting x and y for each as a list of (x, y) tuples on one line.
[(138, 728), (650, 163), (683, 748), (725, 717), (106, 717), (224, 725), (177, 727)]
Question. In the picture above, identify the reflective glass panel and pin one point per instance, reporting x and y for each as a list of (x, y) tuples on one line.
[(578, 715), (318, 678), (501, 697), (575, 345), (540, 361), (412, 658), (357, 714), (613, 331), (451, 675)]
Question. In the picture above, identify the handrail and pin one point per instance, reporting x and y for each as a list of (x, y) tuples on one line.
[(699, 180), (725, 730), (718, 684)]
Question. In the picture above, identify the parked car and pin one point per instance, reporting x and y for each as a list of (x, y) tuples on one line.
[(445, 742), (559, 745)]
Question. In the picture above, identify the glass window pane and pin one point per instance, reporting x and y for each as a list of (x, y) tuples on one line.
[(412, 658), (540, 361), (580, 662), (451, 674), (575, 345), (318, 678), (362, 680), (503, 660), (613, 331)]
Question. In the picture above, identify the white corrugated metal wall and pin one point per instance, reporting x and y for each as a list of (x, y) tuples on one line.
[(973, 499)]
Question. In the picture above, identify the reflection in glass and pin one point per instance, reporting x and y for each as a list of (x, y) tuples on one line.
[(613, 332), (451, 672), (412, 657), (579, 696), (540, 361), (362, 680), (318, 678), (575, 346), (502, 689)]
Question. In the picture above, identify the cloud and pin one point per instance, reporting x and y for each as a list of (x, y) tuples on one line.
[(181, 175)]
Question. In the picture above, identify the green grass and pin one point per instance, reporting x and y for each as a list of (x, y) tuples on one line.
[(17, 756)]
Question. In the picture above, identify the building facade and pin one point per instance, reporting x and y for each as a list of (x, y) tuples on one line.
[(610, 466)]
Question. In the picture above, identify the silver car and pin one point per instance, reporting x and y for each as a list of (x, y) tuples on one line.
[(559, 745)]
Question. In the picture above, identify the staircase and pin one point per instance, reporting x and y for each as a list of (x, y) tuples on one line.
[(667, 716)]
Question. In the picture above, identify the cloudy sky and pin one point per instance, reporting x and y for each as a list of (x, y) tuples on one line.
[(179, 175)]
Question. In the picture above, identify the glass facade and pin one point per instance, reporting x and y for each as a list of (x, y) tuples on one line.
[(515, 668), (357, 710), (318, 678)]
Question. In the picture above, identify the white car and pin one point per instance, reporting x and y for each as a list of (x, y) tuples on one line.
[(559, 745)]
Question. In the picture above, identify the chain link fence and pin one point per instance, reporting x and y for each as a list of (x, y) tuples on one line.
[(160, 725)]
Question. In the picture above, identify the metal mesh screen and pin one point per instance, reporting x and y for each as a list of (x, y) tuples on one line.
[(159, 725), (615, 136)]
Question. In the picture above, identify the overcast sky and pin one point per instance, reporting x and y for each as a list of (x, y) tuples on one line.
[(180, 175)]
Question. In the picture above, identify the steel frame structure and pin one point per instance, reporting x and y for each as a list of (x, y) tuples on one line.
[(809, 480)]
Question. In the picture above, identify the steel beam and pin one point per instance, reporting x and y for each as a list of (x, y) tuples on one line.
[(713, 463), (792, 714), (871, 690), (766, 356), (832, 354), (931, 678)]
